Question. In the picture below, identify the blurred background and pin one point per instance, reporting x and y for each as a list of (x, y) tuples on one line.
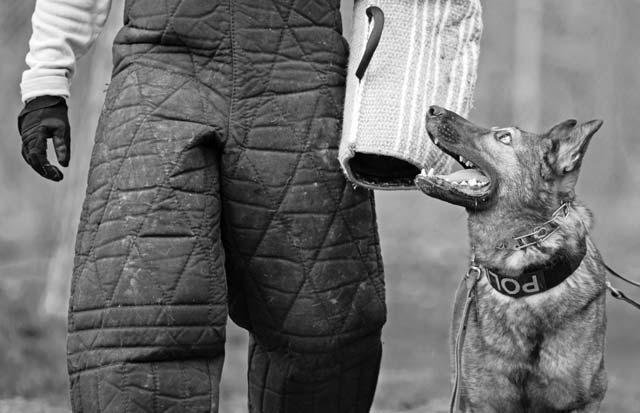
[(541, 61)]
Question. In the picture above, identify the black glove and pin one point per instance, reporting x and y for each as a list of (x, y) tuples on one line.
[(42, 118)]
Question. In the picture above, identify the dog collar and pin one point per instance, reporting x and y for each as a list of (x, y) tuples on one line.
[(537, 280), (539, 233)]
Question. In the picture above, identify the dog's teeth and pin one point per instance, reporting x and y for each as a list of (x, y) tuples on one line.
[(466, 183), (461, 159), (469, 164), (473, 182), (436, 141), (424, 172)]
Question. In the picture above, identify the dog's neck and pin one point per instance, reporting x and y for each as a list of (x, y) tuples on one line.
[(488, 229)]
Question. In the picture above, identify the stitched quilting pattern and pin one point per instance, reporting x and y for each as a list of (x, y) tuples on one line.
[(216, 160)]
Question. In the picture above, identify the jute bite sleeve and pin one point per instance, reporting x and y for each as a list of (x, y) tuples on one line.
[(427, 55)]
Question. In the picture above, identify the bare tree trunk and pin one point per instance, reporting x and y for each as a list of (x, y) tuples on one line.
[(86, 102), (526, 97)]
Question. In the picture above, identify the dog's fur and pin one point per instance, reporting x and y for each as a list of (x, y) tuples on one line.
[(544, 352)]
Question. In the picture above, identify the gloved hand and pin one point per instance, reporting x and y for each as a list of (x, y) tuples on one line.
[(42, 118)]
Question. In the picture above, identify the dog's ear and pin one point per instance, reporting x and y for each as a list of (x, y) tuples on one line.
[(572, 146), (569, 147), (562, 129), (552, 140)]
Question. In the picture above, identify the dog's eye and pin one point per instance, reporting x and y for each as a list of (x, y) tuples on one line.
[(504, 136)]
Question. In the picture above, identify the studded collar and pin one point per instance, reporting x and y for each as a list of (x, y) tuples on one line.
[(540, 278), (538, 234)]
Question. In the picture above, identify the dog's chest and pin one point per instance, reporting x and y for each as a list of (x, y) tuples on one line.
[(512, 324), (522, 327)]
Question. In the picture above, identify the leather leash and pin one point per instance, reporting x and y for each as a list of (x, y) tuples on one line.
[(476, 272), (616, 293), (472, 277)]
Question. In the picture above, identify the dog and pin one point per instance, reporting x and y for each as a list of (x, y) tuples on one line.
[(534, 331)]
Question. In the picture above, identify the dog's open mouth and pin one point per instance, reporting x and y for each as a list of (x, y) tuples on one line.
[(470, 186), (469, 180)]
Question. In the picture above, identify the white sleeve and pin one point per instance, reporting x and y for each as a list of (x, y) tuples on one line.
[(63, 30)]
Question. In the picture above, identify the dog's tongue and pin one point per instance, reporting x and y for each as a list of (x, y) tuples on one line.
[(467, 175)]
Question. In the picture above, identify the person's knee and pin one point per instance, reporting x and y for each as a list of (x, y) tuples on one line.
[(361, 353), (95, 348), (320, 361), (322, 322)]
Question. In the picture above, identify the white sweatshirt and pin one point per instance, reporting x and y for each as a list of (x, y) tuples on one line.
[(63, 30)]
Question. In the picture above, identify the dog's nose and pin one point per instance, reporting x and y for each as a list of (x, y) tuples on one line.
[(435, 111)]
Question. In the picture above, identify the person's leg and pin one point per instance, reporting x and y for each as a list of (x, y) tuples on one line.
[(148, 305), (303, 259)]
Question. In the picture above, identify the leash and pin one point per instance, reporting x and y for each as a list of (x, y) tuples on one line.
[(634, 283), (475, 272), (549, 227), (472, 277), (616, 293)]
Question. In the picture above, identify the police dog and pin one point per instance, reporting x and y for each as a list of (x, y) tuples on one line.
[(535, 327)]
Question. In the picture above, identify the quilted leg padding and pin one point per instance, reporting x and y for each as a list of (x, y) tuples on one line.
[(303, 260), (149, 282), (314, 383), (171, 387), (218, 148)]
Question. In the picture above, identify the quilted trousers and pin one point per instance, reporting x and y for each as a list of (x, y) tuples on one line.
[(215, 188)]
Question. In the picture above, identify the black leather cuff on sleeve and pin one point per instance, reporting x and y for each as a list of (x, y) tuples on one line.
[(41, 102)]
